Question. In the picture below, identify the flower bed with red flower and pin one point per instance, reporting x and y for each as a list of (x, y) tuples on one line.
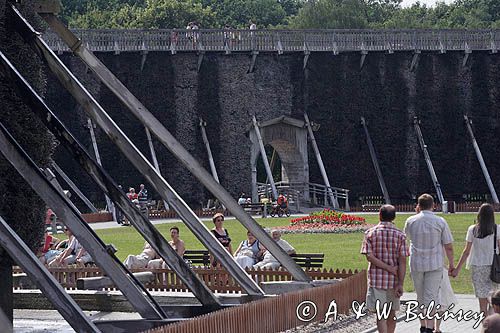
[(326, 221)]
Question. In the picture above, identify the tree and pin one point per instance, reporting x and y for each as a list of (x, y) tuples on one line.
[(331, 14), (238, 13), (155, 14), (379, 11)]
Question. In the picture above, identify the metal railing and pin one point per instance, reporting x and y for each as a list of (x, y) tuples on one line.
[(173, 40), (315, 194)]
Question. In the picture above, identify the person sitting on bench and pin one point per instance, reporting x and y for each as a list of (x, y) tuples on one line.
[(140, 260), (248, 251), (69, 255), (269, 260), (176, 243)]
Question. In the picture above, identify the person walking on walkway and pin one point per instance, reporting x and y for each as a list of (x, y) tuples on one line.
[(478, 254), (428, 234), (385, 248)]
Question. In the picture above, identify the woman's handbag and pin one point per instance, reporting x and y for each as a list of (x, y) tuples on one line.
[(495, 265)]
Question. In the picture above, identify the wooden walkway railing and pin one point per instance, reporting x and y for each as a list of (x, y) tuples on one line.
[(174, 40), (217, 279), (276, 314)]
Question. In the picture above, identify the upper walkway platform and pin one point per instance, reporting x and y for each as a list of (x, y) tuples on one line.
[(281, 41)]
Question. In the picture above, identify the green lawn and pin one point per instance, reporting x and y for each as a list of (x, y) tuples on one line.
[(341, 250)]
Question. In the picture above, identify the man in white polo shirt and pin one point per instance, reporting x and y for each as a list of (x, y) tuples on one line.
[(428, 234), (269, 260)]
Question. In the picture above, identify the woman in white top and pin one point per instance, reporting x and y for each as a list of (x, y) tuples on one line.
[(479, 254), (248, 251)]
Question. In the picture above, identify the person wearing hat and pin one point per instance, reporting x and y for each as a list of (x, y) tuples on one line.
[(221, 234)]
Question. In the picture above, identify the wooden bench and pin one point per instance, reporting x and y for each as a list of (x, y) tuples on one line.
[(257, 208), (305, 260), (309, 260), (197, 257)]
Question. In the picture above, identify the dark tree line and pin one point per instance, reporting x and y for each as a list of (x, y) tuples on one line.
[(296, 14)]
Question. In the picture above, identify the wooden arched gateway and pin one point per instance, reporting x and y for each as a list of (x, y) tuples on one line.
[(288, 136)]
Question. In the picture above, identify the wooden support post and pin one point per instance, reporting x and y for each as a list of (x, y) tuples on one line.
[(201, 54), (364, 52), (479, 156), (307, 53), (333, 199), (414, 60), (427, 158), (90, 125), (467, 53), (252, 63), (53, 180), (264, 158), (167, 139), (155, 160), (143, 58), (138, 296), (51, 289), (143, 225), (373, 155), (74, 187), (209, 151), (274, 157)]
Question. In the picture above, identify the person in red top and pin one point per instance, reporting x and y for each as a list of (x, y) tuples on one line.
[(282, 201), (385, 248), (132, 195)]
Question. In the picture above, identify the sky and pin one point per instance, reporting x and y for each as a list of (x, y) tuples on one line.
[(407, 3)]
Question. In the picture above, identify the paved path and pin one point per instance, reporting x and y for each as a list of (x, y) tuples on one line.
[(465, 302)]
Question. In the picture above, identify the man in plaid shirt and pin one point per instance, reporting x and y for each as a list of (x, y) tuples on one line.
[(385, 248)]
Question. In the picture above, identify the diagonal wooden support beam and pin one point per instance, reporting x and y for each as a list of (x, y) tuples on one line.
[(322, 169), (39, 274), (74, 187), (264, 158), (414, 60), (427, 157), (252, 62), (163, 135), (138, 296), (201, 54), (97, 113), (209, 151), (373, 155), (486, 174), (143, 225), (155, 160), (307, 53)]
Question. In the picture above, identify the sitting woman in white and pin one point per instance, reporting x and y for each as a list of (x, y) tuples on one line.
[(140, 260), (248, 251)]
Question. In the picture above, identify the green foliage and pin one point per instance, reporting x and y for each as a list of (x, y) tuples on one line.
[(331, 14), (238, 13), (300, 14), (149, 14)]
